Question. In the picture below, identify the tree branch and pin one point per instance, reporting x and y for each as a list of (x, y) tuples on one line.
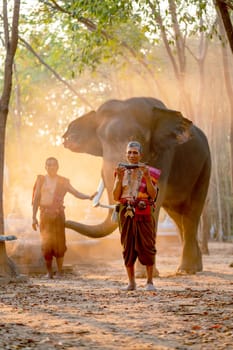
[(159, 21), (29, 47), (91, 26)]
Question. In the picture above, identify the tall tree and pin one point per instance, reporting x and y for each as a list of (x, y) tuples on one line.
[(225, 7), (11, 41)]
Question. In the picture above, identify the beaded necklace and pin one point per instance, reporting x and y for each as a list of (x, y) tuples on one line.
[(133, 190)]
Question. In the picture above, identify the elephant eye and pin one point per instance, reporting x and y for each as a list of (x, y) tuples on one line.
[(70, 136)]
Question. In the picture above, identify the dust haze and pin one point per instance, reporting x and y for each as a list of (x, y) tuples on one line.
[(26, 155)]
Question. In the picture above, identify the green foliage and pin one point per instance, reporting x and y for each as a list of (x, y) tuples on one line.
[(74, 37), (94, 30), (193, 16)]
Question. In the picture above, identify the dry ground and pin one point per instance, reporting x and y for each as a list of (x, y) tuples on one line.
[(88, 309)]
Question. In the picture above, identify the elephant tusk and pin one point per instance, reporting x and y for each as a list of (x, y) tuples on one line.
[(108, 206), (100, 190), (96, 199)]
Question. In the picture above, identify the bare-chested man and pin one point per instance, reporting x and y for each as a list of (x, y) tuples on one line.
[(48, 195)]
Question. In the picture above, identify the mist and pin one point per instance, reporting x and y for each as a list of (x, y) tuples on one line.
[(48, 111)]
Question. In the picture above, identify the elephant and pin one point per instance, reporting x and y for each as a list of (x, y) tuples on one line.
[(171, 143)]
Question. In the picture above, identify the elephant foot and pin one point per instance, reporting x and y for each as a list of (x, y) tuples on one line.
[(205, 251), (180, 272), (141, 272), (190, 266), (155, 272)]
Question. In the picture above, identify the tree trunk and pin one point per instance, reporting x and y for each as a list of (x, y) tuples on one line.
[(217, 185), (223, 9), (11, 41), (229, 90)]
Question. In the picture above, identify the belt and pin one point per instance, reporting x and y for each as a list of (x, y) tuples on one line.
[(134, 202)]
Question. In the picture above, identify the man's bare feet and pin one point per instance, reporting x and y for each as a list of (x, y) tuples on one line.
[(130, 287), (49, 276), (59, 275)]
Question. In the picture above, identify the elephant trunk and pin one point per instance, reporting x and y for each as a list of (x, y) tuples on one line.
[(94, 231)]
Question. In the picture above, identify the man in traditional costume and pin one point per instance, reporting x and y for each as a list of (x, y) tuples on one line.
[(135, 189), (48, 195)]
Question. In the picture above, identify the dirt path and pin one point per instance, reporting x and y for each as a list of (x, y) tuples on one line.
[(88, 309)]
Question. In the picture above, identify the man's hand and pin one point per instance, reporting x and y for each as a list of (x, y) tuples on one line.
[(146, 171), (35, 224), (119, 171), (93, 195)]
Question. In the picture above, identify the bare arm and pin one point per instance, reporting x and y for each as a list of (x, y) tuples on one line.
[(151, 188), (117, 189), (35, 206), (78, 194)]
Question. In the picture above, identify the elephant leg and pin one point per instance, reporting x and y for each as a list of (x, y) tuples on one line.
[(141, 270), (191, 257), (204, 232)]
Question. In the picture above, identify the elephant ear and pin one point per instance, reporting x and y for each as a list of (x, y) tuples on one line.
[(170, 128)]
